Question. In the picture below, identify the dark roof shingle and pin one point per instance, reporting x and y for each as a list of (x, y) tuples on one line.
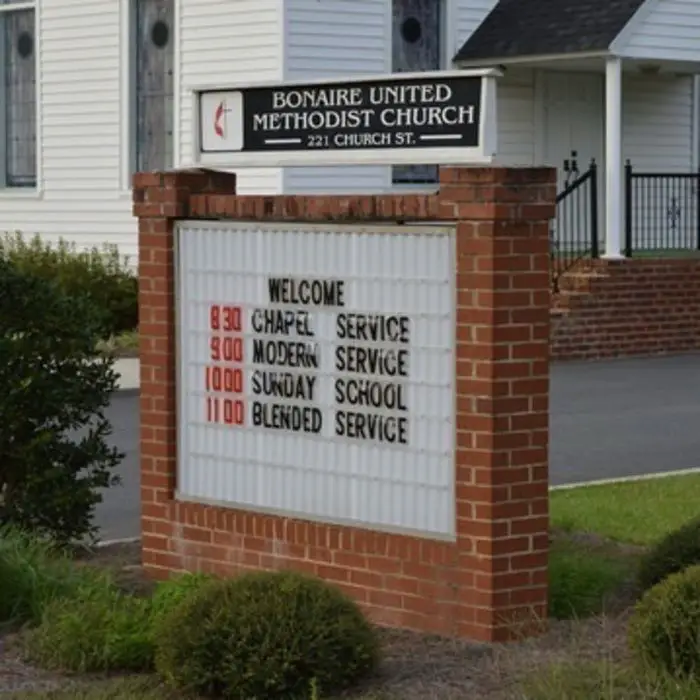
[(541, 27)]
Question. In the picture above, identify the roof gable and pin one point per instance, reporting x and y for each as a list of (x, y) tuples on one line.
[(517, 28)]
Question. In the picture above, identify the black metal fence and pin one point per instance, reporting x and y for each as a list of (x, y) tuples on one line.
[(574, 229), (662, 211)]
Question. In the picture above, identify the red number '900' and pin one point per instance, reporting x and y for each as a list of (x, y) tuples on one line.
[(226, 349)]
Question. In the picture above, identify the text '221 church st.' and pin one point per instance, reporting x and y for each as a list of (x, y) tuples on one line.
[(280, 379)]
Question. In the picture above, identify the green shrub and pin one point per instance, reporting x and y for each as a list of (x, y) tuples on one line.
[(675, 552), (664, 631), (34, 572), (171, 592), (54, 387), (100, 273), (107, 630), (264, 636)]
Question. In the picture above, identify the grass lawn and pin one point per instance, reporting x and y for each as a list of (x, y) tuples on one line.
[(634, 512)]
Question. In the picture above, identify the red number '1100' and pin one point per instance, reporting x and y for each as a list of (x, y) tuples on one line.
[(225, 379), (225, 411), (227, 349)]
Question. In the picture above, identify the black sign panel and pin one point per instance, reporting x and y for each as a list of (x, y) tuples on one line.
[(389, 113)]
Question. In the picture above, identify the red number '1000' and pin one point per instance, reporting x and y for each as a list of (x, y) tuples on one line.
[(228, 411), (225, 379), (226, 349), (225, 318)]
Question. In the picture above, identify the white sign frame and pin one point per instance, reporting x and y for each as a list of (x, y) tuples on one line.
[(364, 228), (484, 154)]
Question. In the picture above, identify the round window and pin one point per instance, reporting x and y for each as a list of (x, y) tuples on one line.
[(25, 45), (411, 30), (160, 34)]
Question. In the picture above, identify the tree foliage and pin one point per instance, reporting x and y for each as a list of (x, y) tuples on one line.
[(54, 388)]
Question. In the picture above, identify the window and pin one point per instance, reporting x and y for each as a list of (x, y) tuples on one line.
[(153, 61), (18, 106), (417, 46)]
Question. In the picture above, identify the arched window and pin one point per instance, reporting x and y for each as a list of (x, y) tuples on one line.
[(153, 61), (418, 46), (18, 59)]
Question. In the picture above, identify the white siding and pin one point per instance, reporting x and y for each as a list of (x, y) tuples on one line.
[(468, 15), (669, 31), (83, 192), (516, 90), (657, 123), (79, 147), (516, 118), (332, 39), (223, 42)]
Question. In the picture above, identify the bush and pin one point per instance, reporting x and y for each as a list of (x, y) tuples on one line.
[(33, 573), (54, 388), (664, 631), (675, 552), (101, 274), (265, 636), (107, 630), (170, 593)]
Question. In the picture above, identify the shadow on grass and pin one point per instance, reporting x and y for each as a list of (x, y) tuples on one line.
[(589, 577)]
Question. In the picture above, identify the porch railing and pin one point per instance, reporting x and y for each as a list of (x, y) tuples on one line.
[(662, 211), (574, 229)]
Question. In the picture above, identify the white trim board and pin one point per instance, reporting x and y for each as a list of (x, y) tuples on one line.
[(626, 479)]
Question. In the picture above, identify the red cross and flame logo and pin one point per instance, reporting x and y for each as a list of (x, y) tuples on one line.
[(220, 121)]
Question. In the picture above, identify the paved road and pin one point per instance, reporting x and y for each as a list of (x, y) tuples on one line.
[(608, 419), (118, 514), (624, 417)]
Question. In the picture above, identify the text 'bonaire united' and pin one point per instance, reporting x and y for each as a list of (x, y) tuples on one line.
[(364, 107)]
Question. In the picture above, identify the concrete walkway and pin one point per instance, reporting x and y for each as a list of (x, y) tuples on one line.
[(128, 370)]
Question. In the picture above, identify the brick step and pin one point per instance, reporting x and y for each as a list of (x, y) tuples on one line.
[(578, 281)]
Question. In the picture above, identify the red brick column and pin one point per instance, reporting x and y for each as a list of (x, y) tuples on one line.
[(503, 303), (495, 573), (159, 200)]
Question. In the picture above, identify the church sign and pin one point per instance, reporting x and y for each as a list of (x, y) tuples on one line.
[(403, 118)]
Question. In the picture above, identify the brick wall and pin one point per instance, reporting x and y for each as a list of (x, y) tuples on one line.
[(489, 584), (628, 307)]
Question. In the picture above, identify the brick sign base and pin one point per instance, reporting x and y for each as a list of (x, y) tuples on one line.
[(491, 583)]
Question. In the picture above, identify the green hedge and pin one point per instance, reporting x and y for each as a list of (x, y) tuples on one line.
[(100, 272)]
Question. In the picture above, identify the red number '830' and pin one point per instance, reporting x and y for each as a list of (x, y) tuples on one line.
[(225, 318)]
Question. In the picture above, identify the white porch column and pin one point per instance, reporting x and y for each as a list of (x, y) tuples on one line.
[(614, 200)]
